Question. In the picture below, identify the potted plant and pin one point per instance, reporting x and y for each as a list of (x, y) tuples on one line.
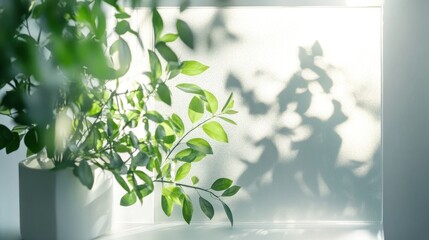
[(60, 72)]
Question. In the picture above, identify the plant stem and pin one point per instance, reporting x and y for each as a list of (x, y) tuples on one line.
[(188, 186)]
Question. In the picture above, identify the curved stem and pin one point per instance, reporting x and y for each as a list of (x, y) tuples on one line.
[(188, 186)]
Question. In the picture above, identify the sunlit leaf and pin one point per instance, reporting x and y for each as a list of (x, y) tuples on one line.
[(211, 101), (193, 68), (191, 88), (183, 171), (169, 37), (215, 131), (228, 120), (229, 103), (195, 180), (128, 199), (200, 145), (187, 209), (196, 109), (167, 205)]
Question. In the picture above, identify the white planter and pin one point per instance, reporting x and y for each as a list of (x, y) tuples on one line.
[(55, 205)]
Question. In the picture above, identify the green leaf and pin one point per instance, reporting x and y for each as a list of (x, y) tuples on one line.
[(193, 68), (128, 199), (191, 88), (185, 33), (167, 205), (169, 37), (228, 213), (166, 52), (200, 145), (33, 140), (215, 130), (154, 116), (164, 94), (157, 23), (207, 208), (141, 159), (229, 103), (196, 109), (5, 136), (195, 180), (230, 111), (183, 171), (231, 191), (187, 209), (184, 4), (177, 124), (155, 64), (134, 140), (228, 120), (189, 155), (122, 15), (143, 176), (121, 47), (84, 173), (13, 143), (122, 27), (211, 101), (221, 184), (121, 182)]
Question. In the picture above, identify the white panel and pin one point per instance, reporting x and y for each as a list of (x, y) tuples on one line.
[(307, 147)]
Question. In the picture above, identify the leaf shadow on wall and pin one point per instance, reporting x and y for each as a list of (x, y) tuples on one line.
[(310, 184)]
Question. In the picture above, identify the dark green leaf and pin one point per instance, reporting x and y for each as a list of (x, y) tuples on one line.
[(134, 140), (122, 15), (187, 209), (154, 116), (185, 33), (231, 191), (229, 103), (195, 180), (5, 136), (164, 93), (166, 52), (122, 27), (196, 109), (167, 205), (33, 140), (13, 143), (211, 101), (215, 130), (84, 173), (121, 182), (228, 213), (148, 180), (221, 184), (193, 68), (184, 4), (200, 145), (189, 155), (128, 199), (177, 124), (183, 171), (141, 159), (169, 37), (206, 207)]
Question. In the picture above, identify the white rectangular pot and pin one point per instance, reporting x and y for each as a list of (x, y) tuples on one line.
[(55, 205)]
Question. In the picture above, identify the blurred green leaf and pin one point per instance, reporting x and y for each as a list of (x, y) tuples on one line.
[(195, 180), (177, 124), (121, 48), (215, 131), (122, 27), (155, 64), (228, 120), (5, 136), (200, 145), (221, 184), (185, 33), (228, 213), (166, 52), (195, 109), (34, 140), (121, 182), (167, 205), (191, 88), (157, 23), (229, 103), (122, 15), (154, 116), (193, 68), (206, 207), (189, 155), (140, 160), (84, 173), (169, 37), (183, 171)]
